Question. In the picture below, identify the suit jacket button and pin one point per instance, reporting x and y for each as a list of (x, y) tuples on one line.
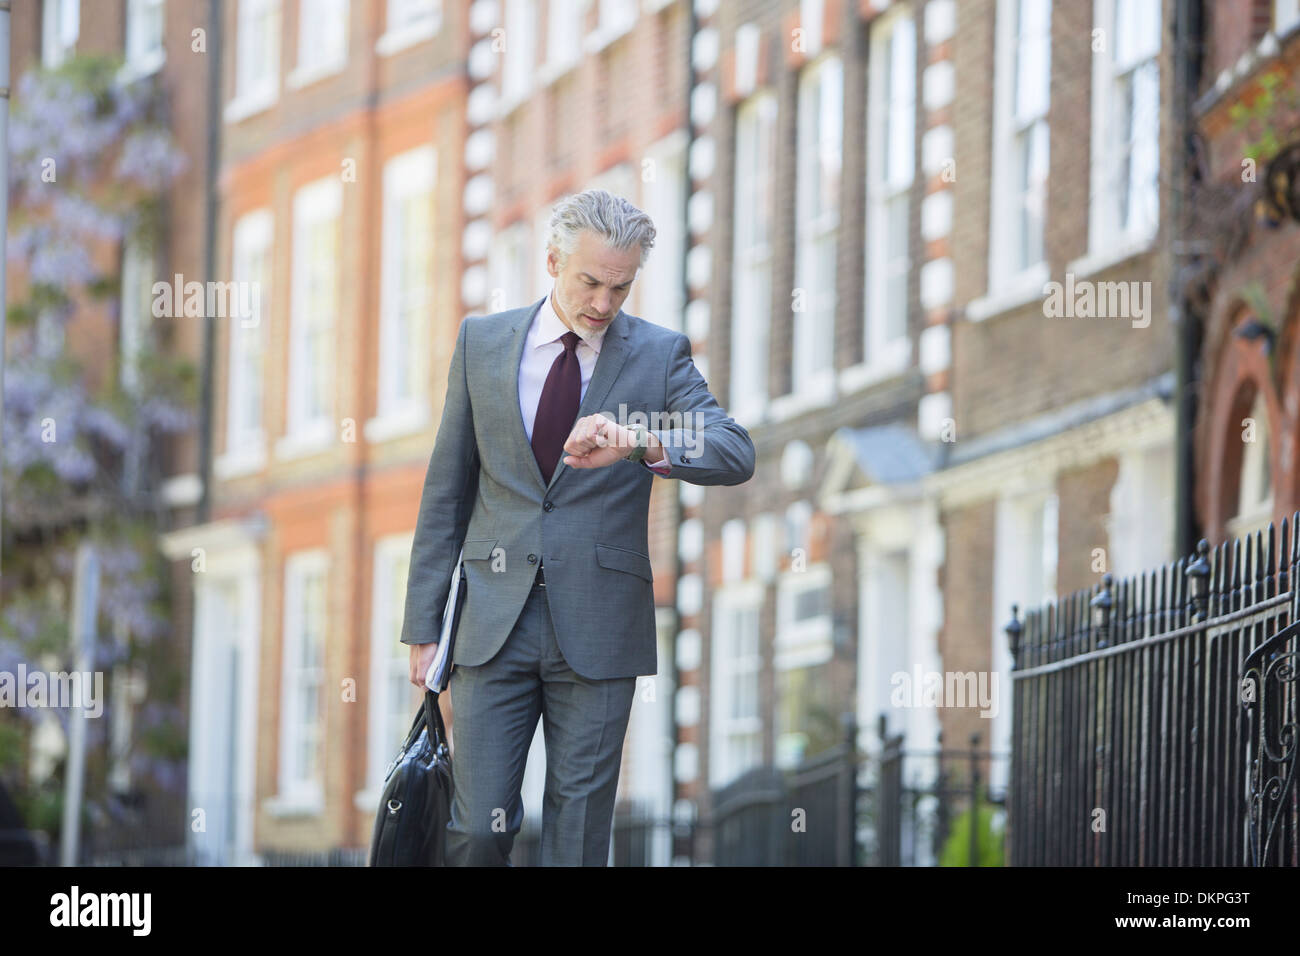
[(683, 459), (532, 559), (548, 506)]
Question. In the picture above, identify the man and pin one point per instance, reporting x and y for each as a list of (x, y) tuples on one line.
[(549, 499)]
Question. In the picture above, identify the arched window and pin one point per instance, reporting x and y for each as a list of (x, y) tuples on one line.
[(1255, 486)]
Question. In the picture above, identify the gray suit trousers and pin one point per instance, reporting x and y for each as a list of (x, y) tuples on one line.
[(496, 706)]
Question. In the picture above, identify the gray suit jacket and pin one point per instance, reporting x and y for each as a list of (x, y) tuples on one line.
[(589, 525)]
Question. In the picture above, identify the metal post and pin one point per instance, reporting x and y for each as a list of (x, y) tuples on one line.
[(85, 604), (4, 229)]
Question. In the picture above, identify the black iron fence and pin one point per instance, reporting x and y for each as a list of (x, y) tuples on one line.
[(1155, 718)]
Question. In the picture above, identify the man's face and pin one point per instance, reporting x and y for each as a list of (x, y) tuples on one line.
[(593, 284)]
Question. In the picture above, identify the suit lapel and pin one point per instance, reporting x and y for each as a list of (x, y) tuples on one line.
[(613, 353)]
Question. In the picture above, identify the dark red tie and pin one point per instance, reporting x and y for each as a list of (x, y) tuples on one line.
[(558, 407)]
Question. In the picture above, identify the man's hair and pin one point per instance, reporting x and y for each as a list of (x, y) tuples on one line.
[(612, 217)]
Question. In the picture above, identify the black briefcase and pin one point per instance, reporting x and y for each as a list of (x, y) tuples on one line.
[(411, 827)]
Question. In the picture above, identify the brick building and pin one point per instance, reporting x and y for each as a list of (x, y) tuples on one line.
[(1244, 293), (108, 334), (342, 129)]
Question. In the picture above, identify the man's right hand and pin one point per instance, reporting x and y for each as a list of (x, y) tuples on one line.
[(421, 660)]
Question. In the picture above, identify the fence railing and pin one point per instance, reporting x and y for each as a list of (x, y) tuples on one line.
[(1155, 718)]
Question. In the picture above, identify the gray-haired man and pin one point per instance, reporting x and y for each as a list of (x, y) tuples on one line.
[(549, 498)]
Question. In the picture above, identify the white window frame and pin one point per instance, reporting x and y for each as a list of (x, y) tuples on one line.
[(407, 176), (563, 37), (135, 309), (388, 664), (323, 28), (250, 262), (60, 30), (820, 138), (1286, 16), (614, 19), (659, 293), (298, 792), (1108, 236), (891, 119), (1026, 556), (255, 91), (1012, 133), (314, 205), (145, 26), (508, 264), (807, 643), (408, 22), (756, 131), (735, 743), (518, 63), (1140, 523)]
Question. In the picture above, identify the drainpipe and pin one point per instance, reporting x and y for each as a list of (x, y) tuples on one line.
[(693, 27), (215, 13), (1187, 323)]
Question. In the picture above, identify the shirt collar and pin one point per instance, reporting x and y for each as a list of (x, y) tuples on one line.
[(550, 328)]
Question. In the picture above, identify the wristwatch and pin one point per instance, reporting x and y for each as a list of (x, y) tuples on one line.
[(642, 443)]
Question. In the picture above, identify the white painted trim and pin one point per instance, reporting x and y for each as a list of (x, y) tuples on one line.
[(1027, 287)]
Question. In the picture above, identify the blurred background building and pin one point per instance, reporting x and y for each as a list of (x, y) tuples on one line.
[(862, 208)]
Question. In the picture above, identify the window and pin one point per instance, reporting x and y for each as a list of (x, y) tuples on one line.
[(60, 24), (801, 650), (250, 270), (136, 310), (1286, 15), (1126, 125), (1140, 523), (817, 201), (1255, 486), (302, 688), (752, 281), (658, 289), (736, 724), (891, 167), (144, 36), (563, 26), (257, 58), (322, 39), (1023, 79), (409, 22), (1025, 562), (520, 51), (392, 698), (316, 210), (508, 266), (406, 269)]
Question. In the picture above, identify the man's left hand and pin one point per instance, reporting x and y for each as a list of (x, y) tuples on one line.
[(597, 441)]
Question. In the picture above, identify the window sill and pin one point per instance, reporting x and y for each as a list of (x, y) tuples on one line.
[(242, 461), (603, 36), (1113, 255), (394, 41), (1023, 289), (295, 805), (406, 421), (864, 374), (793, 405), (145, 66), (306, 76), (249, 104), (309, 441), (551, 72)]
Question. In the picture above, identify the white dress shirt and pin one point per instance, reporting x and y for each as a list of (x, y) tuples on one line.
[(541, 347)]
